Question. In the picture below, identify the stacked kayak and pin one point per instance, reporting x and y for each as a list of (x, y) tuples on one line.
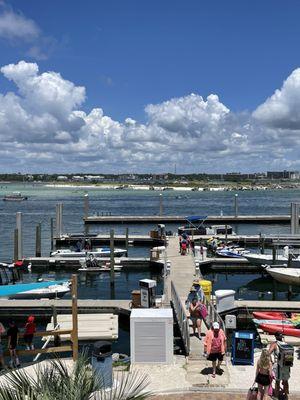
[(273, 322)]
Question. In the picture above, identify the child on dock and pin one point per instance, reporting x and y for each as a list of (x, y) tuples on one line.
[(263, 374), (13, 337), (30, 329)]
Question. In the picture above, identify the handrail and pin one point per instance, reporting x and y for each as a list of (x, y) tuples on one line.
[(182, 318), (211, 309)]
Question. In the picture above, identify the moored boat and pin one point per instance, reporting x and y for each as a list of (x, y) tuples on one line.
[(274, 315), (232, 252), (15, 196), (51, 292), (100, 252), (290, 276)]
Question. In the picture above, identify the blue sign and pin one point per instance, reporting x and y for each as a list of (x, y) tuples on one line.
[(243, 348)]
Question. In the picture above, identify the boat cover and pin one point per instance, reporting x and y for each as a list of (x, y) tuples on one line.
[(7, 290), (196, 218)]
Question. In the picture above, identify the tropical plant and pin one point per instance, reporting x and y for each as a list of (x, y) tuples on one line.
[(54, 380)]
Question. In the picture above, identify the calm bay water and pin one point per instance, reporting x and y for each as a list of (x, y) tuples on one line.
[(40, 207)]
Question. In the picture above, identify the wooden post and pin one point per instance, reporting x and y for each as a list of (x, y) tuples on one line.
[(274, 255), (16, 236), (74, 318), (20, 235), (127, 241), (236, 211), (38, 244), (263, 245), (112, 258), (51, 233), (160, 204), (226, 228), (86, 205)]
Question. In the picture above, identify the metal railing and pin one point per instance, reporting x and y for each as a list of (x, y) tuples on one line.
[(213, 315), (182, 318)]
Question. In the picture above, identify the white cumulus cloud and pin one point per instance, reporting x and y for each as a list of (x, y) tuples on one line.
[(16, 26), (43, 128)]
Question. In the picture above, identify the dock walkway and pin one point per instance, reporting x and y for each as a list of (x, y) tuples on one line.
[(215, 219), (182, 275)]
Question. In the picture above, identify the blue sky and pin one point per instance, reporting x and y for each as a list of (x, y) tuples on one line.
[(129, 54)]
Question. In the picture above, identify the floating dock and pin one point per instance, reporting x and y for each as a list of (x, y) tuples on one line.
[(44, 308), (281, 240), (74, 262), (213, 219), (100, 239), (90, 326)]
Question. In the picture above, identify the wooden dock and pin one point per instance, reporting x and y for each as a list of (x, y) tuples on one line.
[(251, 240), (100, 239), (74, 263), (44, 308), (90, 326), (182, 276), (212, 219)]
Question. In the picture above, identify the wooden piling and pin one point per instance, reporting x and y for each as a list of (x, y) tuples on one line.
[(226, 234), (38, 240), (20, 235), (274, 255), (160, 204), (74, 318), (236, 211), (112, 258), (16, 236), (127, 240), (52, 233)]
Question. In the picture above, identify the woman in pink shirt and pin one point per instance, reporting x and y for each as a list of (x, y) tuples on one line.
[(215, 346)]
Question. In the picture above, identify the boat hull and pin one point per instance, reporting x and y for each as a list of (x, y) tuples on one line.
[(290, 276), (36, 295)]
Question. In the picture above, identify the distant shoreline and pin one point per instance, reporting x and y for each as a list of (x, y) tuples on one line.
[(166, 188)]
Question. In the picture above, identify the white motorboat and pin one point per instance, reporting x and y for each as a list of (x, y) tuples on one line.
[(290, 276), (232, 252), (100, 252), (50, 292), (267, 259), (103, 268), (15, 196)]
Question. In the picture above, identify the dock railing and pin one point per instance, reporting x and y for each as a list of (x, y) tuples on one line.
[(213, 315), (182, 317)]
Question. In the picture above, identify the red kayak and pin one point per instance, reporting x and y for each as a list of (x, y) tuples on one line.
[(284, 329), (269, 315)]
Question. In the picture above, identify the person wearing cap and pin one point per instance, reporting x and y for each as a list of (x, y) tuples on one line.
[(215, 346), (199, 290), (282, 374), (30, 329)]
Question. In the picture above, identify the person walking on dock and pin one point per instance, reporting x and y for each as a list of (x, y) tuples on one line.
[(2, 332), (30, 329), (195, 316), (263, 374), (281, 373), (13, 337), (215, 346)]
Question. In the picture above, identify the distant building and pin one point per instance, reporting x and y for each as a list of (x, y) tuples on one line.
[(62, 178), (77, 178), (283, 174)]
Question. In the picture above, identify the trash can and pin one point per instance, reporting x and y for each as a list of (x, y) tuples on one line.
[(206, 287), (102, 362)]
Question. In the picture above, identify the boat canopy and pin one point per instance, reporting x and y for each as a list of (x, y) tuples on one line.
[(196, 218), (8, 290)]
